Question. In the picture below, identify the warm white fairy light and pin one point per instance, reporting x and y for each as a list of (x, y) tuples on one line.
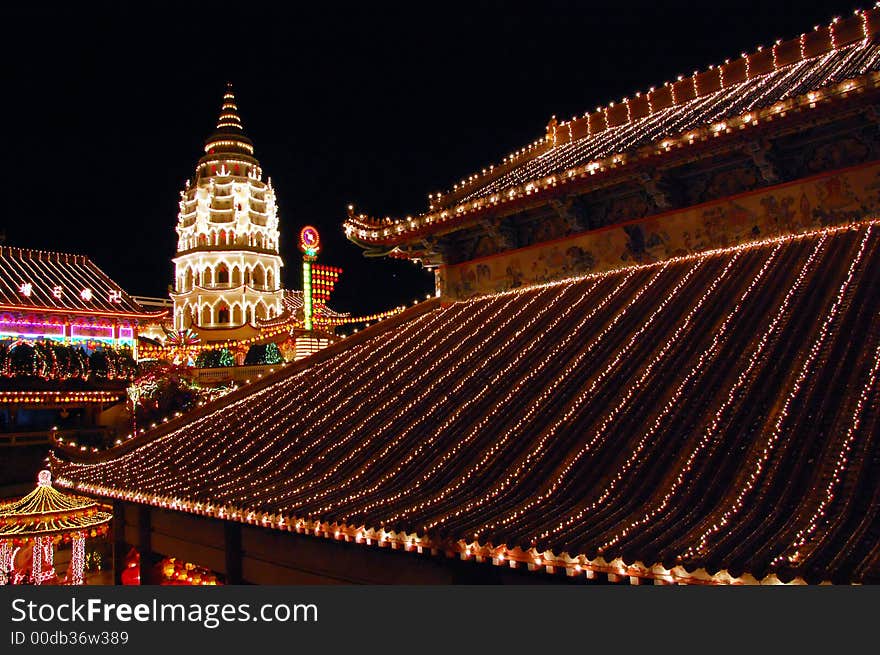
[(463, 407), (78, 558), (465, 379), (710, 353), (762, 456), (582, 397), (566, 158), (685, 324), (169, 472), (802, 545), (366, 445)]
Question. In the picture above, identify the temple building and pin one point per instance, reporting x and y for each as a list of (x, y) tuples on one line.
[(654, 358), (65, 298), (68, 345), (227, 269)]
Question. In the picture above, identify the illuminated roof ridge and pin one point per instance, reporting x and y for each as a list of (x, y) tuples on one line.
[(814, 70), (17, 251)]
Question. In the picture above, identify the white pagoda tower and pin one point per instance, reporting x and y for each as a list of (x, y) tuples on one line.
[(227, 269)]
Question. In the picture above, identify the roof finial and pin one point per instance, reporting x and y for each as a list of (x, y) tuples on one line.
[(229, 119)]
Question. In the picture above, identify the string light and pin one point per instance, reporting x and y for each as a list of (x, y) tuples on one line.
[(756, 92), (800, 544), (734, 505), (491, 376), (709, 354)]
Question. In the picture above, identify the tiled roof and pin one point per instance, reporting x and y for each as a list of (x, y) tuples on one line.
[(752, 95), (714, 415), (53, 281), (738, 95)]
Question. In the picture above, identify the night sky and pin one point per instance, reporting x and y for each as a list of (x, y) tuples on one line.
[(377, 105)]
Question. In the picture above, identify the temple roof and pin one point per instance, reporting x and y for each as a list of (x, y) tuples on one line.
[(708, 418), (36, 280), (822, 67), (47, 511)]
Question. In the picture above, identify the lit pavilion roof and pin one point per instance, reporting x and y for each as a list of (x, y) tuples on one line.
[(293, 309), (820, 67), (711, 418), (46, 511), (61, 282)]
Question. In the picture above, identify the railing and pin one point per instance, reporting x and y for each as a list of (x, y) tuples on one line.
[(234, 373)]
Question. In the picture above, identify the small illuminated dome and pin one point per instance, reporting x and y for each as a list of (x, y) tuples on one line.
[(227, 268)]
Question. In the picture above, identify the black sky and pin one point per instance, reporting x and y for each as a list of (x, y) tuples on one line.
[(372, 104)]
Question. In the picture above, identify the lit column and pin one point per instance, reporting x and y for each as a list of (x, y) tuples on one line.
[(78, 559), (37, 561), (5, 561), (309, 244), (307, 293)]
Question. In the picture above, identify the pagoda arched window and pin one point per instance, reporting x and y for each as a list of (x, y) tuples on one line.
[(203, 240), (236, 276), (222, 274), (206, 315), (259, 241), (222, 314), (236, 314), (248, 278), (206, 277), (259, 277), (269, 279)]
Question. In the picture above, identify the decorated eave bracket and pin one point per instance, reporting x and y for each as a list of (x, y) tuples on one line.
[(429, 252)]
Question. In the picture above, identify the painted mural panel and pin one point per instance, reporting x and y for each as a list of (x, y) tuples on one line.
[(826, 199)]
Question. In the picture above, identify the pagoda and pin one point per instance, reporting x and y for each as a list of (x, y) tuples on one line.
[(227, 269)]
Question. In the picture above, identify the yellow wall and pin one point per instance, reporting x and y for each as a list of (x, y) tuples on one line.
[(827, 199)]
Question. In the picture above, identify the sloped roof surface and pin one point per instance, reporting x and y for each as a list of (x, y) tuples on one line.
[(36, 279), (756, 93), (716, 411)]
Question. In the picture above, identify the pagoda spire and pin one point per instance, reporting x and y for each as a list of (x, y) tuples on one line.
[(229, 119), (229, 136)]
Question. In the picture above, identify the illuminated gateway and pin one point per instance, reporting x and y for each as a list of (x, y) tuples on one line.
[(227, 269), (655, 358)]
